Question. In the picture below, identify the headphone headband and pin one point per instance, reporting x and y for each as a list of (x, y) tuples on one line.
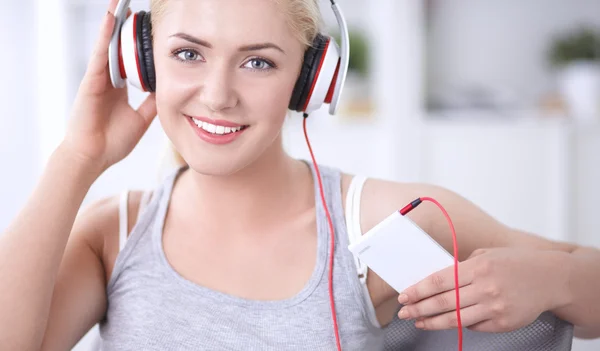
[(328, 73), (115, 60), (344, 57)]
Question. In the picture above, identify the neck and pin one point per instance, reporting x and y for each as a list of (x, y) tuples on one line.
[(274, 186)]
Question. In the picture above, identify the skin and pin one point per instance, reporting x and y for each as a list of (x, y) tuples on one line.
[(59, 263)]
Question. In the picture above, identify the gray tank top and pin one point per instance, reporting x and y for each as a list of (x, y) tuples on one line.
[(152, 307)]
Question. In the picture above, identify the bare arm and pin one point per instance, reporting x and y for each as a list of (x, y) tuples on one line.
[(476, 229), (574, 271), (38, 282), (584, 282), (79, 300), (32, 248)]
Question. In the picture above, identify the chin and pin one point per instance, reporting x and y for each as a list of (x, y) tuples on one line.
[(227, 160), (217, 166)]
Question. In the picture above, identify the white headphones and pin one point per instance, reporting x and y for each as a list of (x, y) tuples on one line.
[(321, 78)]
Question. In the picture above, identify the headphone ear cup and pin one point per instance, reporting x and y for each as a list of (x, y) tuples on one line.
[(310, 66), (145, 52)]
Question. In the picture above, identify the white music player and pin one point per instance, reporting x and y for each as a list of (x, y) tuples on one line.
[(400, 252)]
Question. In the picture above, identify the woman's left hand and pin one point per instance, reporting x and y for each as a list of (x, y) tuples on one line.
[(501, 289)]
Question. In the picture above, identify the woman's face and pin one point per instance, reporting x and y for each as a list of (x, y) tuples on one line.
[(221, 66)]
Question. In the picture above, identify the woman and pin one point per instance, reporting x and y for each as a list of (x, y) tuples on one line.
[(231, 251)]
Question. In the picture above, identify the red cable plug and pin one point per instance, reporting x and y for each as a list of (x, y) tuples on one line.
[(406, 209)]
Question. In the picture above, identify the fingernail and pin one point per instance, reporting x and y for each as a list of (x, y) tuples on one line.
[(403, 314), (419, 324), (403, 298)]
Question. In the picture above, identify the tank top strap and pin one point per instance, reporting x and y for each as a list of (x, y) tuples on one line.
[(345, 260), (149, 217)]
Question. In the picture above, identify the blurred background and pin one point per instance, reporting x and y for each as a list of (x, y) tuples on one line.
[(498, 100)]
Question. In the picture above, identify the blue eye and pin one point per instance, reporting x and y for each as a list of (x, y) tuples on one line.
[(187, 55), (259, 64)]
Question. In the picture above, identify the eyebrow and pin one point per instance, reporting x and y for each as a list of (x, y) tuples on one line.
[(256, 47), (251, 47)]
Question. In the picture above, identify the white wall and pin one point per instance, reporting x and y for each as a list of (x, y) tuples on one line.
[(18, 124), (499, 44), (586, 190)]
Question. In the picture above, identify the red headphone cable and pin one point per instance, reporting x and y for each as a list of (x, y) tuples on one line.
[(331, 235), (405, 210)]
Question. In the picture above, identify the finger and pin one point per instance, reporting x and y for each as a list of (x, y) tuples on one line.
[(441, 303), (491, 326), (449, 320), (147, 109), (112, 6), (437, 283), (477, 252), (99, 58), (486, 326)]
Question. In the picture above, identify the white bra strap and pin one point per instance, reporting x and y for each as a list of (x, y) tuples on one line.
[(350, 210), (353, 200), (123, 220)]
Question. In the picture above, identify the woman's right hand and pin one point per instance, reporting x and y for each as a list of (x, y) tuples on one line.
[(104, 128)]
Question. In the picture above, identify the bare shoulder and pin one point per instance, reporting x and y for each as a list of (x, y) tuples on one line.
[(380, 198), (79, 297), (383, 197), (98, 226)]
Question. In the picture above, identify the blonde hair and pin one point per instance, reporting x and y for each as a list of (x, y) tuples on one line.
[(304, 16), (304, 19)]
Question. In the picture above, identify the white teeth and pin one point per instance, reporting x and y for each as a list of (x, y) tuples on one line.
[(214, 129)]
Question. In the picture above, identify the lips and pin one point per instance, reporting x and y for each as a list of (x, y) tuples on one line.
[(216, 131)]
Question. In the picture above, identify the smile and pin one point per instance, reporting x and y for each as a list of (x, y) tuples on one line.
[(215, 129), (216, 132), (219, 128)]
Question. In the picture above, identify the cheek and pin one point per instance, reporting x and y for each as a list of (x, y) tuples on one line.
[(167, 102), (172, 91), (173, 82), (271, 100)]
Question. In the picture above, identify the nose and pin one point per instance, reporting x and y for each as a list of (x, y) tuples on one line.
[(217, 91)]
